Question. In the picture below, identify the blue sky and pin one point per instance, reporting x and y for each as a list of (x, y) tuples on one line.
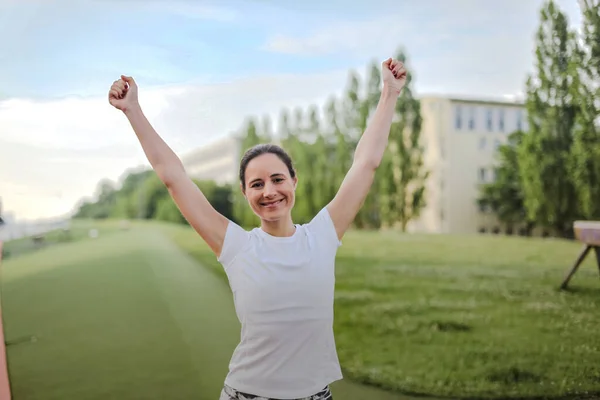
[(204, 66), (73, 47), (76, 47)]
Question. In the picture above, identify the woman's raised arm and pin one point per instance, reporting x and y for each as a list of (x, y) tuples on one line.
[(190, 200), (369, 151)]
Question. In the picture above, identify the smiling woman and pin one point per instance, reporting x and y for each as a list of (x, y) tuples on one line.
[(271, 186), (282, 274)]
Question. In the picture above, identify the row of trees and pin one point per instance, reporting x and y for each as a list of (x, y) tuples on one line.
[(546, 177), (143, 196), (550, 176), (322, 146)]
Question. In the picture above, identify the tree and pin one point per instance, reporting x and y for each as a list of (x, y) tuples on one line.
[(106, 198), (543, 157), (298, 150), (585, 156), (405, 175), (248, 137), (369, 215), (340, 157), (504, 196), (356, 115)]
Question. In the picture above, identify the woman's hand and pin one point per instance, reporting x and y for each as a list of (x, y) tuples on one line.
[(123, 94)]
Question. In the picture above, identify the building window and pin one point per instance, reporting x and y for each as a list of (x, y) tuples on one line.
[(458, 118), (489, 120), (482, 143), (497, 144), (472, 118), (519, 120), (481, 174), (501, 120)]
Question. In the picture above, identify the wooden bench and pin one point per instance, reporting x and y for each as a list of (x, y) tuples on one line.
[(587, 232)]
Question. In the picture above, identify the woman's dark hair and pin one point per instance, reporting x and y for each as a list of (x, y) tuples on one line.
[(261, 149)]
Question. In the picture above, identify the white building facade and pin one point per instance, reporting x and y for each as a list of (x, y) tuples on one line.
[(461, 137), (217, 161)]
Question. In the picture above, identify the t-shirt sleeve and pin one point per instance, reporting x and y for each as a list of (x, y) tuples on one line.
[(235, 240), (322, 226)]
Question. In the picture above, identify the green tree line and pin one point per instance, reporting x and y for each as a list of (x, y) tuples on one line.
[(143, 196), (549, 176), (546, 177), (321, 144)]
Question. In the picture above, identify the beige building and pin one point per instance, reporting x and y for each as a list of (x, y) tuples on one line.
[(460, 138), (217, 161)]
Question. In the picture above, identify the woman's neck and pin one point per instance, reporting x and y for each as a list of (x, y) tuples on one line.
[(281, 228)]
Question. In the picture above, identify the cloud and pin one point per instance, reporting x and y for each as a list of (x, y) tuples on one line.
[(358, 37), (423, 27), (53, 153), (461, 47)]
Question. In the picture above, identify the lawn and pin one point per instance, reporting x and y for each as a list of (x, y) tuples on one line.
[(461, 316), (128, 315), (112, 318), (131, 314)]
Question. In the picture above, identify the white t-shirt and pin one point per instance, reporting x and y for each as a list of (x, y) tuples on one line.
[(283, 291)]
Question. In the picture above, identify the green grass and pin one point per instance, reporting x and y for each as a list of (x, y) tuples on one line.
[(113, 318), (461, 316), (132, 315), (128, 315)]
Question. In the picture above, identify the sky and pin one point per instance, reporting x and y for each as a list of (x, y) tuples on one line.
[(203, 67)]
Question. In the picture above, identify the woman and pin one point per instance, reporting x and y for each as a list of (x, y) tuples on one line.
[(281, 274)]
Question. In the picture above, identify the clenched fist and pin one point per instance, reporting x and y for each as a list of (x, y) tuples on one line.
[(123, 94), (394, 74)]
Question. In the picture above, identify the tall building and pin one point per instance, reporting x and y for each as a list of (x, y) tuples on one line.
[(460, 138)]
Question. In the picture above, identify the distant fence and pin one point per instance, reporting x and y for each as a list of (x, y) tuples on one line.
[(4, 381)]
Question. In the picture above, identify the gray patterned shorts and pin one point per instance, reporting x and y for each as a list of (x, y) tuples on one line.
[(229, 393)]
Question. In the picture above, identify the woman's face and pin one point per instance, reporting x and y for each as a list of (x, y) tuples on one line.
[(270, 190)]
